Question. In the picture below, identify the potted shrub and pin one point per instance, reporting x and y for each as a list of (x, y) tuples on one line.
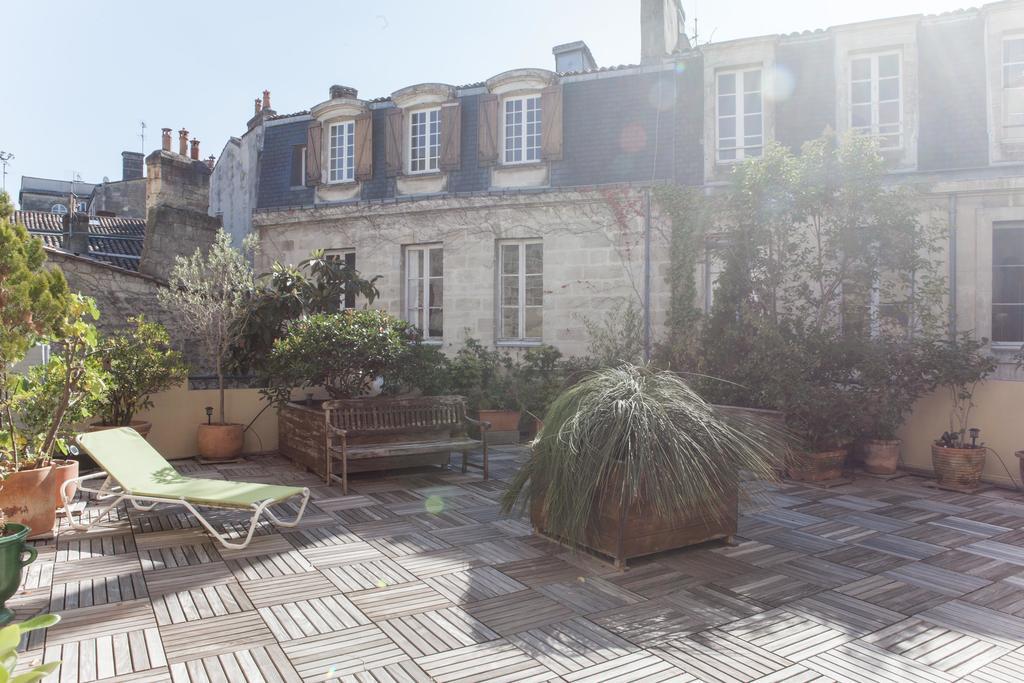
[(487, 379), (631, 461), (14, 555), (10, 637), (211, 295), (140, 362), (957, 365), (539, 380), (894, 375)]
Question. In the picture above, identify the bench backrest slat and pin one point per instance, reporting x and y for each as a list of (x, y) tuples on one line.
[(395, 415)]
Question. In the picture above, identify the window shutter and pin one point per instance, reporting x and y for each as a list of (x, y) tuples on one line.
[(451, 135), (364, 146), (488, 129), (551, 123), (395, 137), (314, 148)]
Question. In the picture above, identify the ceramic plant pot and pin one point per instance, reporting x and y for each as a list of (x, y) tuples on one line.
[(220, 442), (958, 468), (27, 497), (881, 456), (501, 420), (14, 555), (64, 470)]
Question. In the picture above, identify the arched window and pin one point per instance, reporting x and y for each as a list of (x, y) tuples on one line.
[(58, 208)]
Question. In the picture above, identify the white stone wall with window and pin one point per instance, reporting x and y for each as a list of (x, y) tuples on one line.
[(512, 272), (1004, 59)]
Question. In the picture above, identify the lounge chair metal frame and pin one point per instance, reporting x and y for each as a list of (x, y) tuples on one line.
[(145, 503)]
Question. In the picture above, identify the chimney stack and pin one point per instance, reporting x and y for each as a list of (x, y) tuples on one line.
[(165, 139), (195, 150), (131, 162), (258, 106), (78, 232), (573, 57), (211, 161), (266, 99), (662, 29), (183, 142), (343, 91)]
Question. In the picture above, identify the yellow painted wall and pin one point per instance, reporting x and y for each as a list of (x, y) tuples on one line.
[(176, 413), (997, 414)]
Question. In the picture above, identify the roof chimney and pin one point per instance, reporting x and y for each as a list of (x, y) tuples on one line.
[(343, 91), (662, 29), (165, 139), (195, 150), (131, 163), (266, 99), (573, 57), (78, 232), (183, 142), (258, 104), (211, 161)]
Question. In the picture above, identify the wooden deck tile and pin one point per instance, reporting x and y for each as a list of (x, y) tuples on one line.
[(515, 612), (398, 601), (264, 664), (98, 591), (1007, 668), (719, 656), (346, 553), (541, 570), (288, 588), (590, 595), (292, 620), (473, 585), (572, 645), (637, 666), (362, 575), (899, 596), (103, 657), (937, 647), (215, 636), (770, 587), (981, 622), (860, 662), (427, 633), (497, 661), (786, 634), (103, 620), (845, 613), (344, 653), (201, 603), (98, 567)]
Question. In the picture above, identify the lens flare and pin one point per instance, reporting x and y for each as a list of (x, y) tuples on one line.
[(633, 138), (434, 505), (781, 83)]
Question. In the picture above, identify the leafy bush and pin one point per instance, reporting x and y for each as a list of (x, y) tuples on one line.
[(486, 378), (648, 430), (140, 362), (957, 365), (342, 352)]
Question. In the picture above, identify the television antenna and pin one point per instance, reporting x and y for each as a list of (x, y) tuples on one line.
[(142, 135), (5, 158)]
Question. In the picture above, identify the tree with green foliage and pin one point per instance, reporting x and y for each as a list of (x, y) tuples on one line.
[(212, 295)]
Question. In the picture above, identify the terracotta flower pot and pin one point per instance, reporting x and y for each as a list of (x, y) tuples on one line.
[(64, 470), (820, 466), (141, 426), (881, 456), (958, 468), (12, 559), (501, 420), (220, 442), (27, 496)]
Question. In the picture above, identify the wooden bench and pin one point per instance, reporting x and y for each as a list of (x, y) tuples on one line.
[(384, 433)]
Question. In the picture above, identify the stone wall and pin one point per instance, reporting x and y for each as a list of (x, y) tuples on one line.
[(593, 254), (233, 184), (172, 232), (125, 198)]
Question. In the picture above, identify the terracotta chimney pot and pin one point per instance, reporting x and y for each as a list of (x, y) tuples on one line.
[(211, 161), (195, 149), (165, 139), (266, 99), (259, 104), (183, 142)]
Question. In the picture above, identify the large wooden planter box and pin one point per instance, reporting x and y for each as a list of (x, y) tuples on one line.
[(622, 534), (302, 438)]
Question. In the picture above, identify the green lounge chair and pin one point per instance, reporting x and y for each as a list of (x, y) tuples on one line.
[(138, 474)]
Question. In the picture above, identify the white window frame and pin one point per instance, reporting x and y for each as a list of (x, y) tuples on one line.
[(740, 148), (522, 136), (1010, 118), (873, 129), (432, 151), (81, 207), (521, 305), (59, 211), (1003, 343), (302, 167), (341, 167), (411, 294)]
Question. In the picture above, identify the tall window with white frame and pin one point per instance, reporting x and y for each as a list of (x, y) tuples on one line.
[(424, 140), (740, 114), (522, 130), (876, 104), (342, 152), (1008, 283), (1013, 81), (521, 290), (424, 289)]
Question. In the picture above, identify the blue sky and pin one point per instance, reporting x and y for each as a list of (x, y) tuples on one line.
[(80, 76)]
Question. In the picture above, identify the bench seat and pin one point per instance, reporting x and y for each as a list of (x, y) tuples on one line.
[(377, 450)]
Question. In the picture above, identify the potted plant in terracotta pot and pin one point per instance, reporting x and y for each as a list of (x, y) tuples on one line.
[(631, 461), (487, 379), (957, 366), (140, 362), (211, 294)]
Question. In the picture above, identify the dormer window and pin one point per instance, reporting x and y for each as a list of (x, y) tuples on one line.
[(341, 152), (876, 105), (59, 209), (522, 130), (424, 140), (1013, 81)]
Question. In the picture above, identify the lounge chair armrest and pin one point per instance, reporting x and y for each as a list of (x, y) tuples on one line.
[(483, 424), (337, 431)]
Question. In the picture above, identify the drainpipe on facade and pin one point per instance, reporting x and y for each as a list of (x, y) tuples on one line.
[(951, 219), (647, 275)]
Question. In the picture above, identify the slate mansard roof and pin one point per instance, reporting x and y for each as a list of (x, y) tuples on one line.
[(112, 240)]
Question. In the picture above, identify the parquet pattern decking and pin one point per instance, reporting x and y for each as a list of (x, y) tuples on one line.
[(418, 577)]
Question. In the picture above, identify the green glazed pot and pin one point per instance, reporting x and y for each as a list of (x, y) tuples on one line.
[(12, 548)]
